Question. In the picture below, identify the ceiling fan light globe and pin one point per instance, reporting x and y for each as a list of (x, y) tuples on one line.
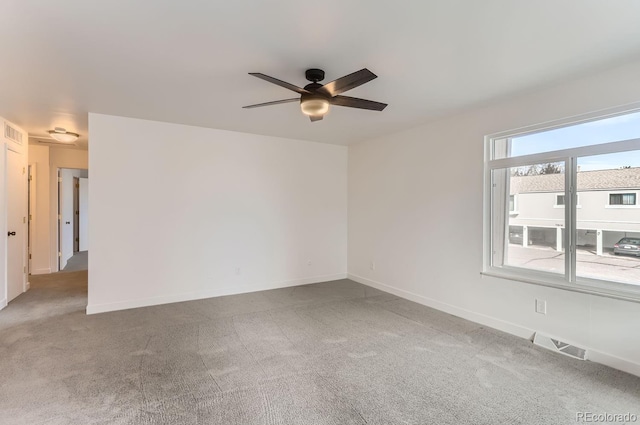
[(63, 136), (314, 106)]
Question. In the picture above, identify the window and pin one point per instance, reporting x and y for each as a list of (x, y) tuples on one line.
[(557, 238), (622, 199), (560, 201)]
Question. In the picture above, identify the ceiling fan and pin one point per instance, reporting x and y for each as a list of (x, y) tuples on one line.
[(315, 98)]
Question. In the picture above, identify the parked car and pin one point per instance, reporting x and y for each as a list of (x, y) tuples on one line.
[(629, 246)]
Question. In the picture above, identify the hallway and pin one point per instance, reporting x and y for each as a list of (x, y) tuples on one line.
[(79, 261)]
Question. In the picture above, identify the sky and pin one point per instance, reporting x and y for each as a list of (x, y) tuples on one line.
[(622, 127)]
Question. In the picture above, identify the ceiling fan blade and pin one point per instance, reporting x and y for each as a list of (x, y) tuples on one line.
[(314, 118), (348, 82), (354, 102), (280, 83), (275, 102)]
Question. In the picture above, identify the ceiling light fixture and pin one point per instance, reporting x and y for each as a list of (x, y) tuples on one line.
[(314, 105), (62, 135)]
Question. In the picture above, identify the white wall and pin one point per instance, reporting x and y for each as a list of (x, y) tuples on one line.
[(40, 238), (416, 208), (181, 212)]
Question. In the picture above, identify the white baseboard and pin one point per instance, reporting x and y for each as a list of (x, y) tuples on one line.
[(41, 271), (499, 324), (3, 303), (492, 322), (27, 286), (227, 290), (614, 362)]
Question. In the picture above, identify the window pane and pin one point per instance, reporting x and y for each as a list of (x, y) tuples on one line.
[(608, 222), (614, 129), (531, 237), (615, 199), (629, 199)]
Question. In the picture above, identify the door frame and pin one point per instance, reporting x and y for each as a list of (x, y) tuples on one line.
[(31, 214), (59, 253)]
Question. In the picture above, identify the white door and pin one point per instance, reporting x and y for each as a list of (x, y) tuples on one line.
[(83, 201), (15, 225)]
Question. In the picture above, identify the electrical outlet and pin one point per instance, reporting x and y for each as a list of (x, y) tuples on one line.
[(372, 265), (238, 271), (541, 306)]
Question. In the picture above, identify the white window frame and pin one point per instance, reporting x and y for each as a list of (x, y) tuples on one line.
[(568, 280)]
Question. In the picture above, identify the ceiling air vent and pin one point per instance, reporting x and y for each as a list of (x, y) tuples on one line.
[(12, 134)]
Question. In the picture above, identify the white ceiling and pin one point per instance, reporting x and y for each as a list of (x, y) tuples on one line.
[(187, 61)]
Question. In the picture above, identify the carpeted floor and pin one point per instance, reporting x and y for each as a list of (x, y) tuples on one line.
[(331, 353), (79, 261)]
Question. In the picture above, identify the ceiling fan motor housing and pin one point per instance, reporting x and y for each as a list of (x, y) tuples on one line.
[(312, 87)]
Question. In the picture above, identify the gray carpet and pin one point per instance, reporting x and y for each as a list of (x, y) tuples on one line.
[(78, 261), (330, 353)]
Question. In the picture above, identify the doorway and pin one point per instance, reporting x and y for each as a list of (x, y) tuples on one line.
[(73, 188)]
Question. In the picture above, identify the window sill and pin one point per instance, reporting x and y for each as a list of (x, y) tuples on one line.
[(584, 286), (622, 206)]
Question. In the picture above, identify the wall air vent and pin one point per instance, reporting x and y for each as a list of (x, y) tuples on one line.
[(558, 346), (12, 134)]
